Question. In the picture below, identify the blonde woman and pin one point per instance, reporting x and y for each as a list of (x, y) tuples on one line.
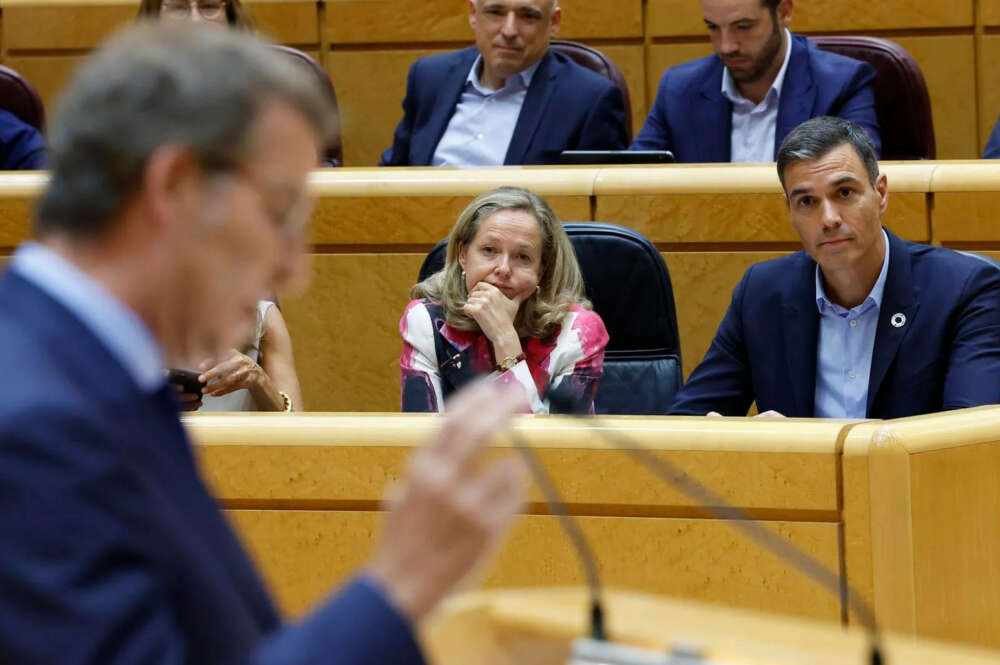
[(509, 304)]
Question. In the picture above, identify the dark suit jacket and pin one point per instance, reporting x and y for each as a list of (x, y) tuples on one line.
[(945, 356), (111, 549), (567, 107), (692, 117), (21, 145)]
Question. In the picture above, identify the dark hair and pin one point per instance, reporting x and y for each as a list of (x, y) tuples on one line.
[(236, 15), (770, 4), (159, 84), (818, 136)]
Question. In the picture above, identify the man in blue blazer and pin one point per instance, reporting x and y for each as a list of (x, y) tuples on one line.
[(177, 197), (508, 100), (861, 324), (739, 104)]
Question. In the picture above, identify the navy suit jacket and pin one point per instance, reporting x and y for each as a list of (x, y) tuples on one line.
[(945, 356), (21, 145), (692, 118), (992, 150), (111, 549), (567, 107)]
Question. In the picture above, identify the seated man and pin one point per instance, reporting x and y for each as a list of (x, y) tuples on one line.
[(22, 147), (860, 324), (508, 100), (739, 104)]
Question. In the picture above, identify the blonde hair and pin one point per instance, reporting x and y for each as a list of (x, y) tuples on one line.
[(560, 286)]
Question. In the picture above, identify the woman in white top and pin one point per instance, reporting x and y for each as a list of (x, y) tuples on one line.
[(261, 377)]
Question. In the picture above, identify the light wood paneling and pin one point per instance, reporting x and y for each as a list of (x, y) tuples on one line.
[(405, 22), (966, 216), (287, 21), (62, 26), (48, 74), (370, 89), (410, 219), (989, 94), (670, 18), (703, 284), (345, 330), (305, 553), (948, 65), (990, 12)]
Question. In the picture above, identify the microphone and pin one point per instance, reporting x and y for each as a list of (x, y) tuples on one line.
[(719, 508), (571, 528)]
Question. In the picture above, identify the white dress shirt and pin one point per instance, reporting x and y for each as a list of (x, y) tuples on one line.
[(752, 135), (482, 126)]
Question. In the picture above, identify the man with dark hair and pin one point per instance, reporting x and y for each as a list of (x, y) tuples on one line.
[(861, 324), (739, 104), (510, 99), (177, 200)]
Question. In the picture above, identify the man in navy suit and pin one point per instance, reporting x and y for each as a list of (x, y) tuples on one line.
[(860, 324), (739, 104), (508, 100), (177, 199)]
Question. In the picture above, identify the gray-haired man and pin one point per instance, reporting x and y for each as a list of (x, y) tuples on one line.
[(177, 199)]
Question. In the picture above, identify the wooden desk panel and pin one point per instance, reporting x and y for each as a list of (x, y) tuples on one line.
[(304, 491), (61, 25), (294, 22), (305, 554)]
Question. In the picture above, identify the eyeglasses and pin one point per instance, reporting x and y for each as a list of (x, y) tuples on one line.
[(292, 220), (208, 9)]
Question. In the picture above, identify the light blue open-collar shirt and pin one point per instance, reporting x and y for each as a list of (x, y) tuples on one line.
[(844, 353), (480, 130), (115, 325), (754, 125)]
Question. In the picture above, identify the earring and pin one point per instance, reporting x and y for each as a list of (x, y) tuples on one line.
[(463, 274), (538, 289)]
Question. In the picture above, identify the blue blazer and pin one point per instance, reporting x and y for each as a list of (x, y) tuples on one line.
[(21, 145), (567, 107), (946, 355), (692, 117), (111, 549)]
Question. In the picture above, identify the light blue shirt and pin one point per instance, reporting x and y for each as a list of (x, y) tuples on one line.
[(482, 126), (753, 125), (844, 353), (116, 326)]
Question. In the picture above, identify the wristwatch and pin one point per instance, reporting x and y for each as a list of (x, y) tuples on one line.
[(287, 408), (509, 362)]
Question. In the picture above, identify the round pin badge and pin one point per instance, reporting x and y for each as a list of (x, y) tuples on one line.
[(898, 320)]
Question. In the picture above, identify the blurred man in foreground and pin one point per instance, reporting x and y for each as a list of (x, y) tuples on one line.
[(177, 199)]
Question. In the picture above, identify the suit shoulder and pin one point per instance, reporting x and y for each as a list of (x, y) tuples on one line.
[(938, 265)]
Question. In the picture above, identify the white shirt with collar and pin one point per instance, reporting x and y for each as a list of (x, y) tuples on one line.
[(122, 332), (480, 130), (754, 125)]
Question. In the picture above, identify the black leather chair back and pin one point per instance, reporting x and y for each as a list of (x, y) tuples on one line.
[(629, 286), (20, 98)]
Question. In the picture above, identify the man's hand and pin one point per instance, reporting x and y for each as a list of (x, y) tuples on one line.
[(234, 372), (495, 314), (449, 512)]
